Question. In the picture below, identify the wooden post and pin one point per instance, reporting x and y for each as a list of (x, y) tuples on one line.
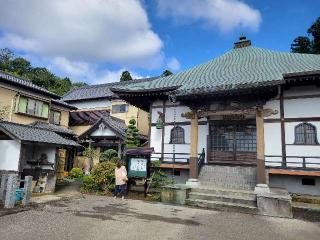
[(193, 173), (119, 148), (261, 173)]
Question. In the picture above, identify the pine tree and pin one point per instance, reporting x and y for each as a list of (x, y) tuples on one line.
[(132, 135), (301, 45)]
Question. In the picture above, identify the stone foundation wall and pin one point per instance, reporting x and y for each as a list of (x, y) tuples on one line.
[(232, 177)]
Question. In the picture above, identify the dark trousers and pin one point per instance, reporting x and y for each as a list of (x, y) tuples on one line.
[(120, 189)]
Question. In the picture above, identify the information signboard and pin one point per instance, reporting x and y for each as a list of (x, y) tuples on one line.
[(137, 167)]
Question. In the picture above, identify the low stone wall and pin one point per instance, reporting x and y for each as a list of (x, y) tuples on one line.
[(176, 194)]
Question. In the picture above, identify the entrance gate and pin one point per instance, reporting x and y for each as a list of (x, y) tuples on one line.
[(232, 142)]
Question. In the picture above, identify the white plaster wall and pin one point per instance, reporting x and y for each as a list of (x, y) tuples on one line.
[(87, 104), (10, 155), (103, 132), (274, 105), (272, 139), (169, 116), (301, 150), (302, 107), (49, 150), (302, 90), (155, 139), (154, 114)]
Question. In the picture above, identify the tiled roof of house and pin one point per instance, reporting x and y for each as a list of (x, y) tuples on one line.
[(52, 127), (239, 68), (117, 125), (86, 117), (63, 104), (11, 79), (99, 91), (28, 133)]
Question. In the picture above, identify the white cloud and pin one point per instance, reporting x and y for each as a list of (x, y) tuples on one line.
[(173, 64), (86, 72), (226, 15), (99, 31)]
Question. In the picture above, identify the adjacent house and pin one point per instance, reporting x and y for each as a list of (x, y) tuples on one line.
[(101, 118), (34, 135), (252, 113)]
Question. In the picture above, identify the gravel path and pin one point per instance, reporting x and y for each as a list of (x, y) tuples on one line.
[(97, 217)]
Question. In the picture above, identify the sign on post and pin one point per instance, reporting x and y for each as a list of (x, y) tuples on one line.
[(137, 167)]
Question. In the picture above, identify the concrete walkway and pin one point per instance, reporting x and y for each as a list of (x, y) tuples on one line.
[(98, 217)]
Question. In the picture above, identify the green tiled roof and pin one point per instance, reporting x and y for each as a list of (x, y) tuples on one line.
[(238, 68)]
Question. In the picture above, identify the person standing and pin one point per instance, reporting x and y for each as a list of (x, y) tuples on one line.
[(121, 179)]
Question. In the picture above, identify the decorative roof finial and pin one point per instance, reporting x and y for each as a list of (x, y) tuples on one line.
[(243, 42)]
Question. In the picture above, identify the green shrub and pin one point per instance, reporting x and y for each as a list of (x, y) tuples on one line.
[(76, 173), (88, 184), (159, 177), (103, 175), (108, 155), (115, 159)]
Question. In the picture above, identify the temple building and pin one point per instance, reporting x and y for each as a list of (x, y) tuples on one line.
[(247, 120)]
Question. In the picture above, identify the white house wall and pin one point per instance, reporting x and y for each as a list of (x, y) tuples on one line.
[(10, 155), (103, 132), (92, 104)]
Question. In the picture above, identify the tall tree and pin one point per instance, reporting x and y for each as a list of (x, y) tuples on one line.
[(37, 75), (314, 31), (6, 56), (301, 45), (166, 73), (125, 76), (20, 66)]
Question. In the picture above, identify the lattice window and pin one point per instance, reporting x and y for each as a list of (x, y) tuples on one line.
[(305, 133), (177, 135)]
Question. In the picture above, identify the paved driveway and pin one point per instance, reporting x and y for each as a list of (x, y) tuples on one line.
[(96, 217)]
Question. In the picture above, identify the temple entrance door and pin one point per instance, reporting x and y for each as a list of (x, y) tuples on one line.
[(232, 142)]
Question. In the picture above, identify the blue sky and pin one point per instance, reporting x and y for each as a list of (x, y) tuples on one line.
[(94, 40)]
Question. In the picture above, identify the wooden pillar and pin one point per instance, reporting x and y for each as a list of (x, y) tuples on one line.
[(119, 148), (193, 173), (261, 173)]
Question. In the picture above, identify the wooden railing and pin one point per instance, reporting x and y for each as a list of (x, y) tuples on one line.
[(177, 158), (293, 162), (201, 160)]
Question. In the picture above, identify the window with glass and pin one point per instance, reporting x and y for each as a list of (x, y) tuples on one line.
[(55, 117), (306, 133), (177, 135), (33, 107), (233, 137), (121, 108)]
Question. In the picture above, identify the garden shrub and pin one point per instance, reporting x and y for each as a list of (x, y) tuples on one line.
[(103, 175), (89, 184), (159, 177), (108, 155), (76, 173)]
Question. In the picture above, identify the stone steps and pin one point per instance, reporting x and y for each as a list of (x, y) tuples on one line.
[(226, 192), (249, 201), (224, 206), (223, 199)]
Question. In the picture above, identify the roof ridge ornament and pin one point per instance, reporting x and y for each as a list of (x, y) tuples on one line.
[(243, 42)]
